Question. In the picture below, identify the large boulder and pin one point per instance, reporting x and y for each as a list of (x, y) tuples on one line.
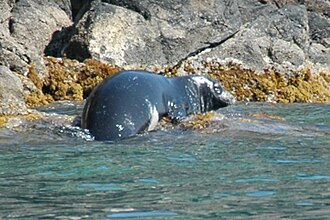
[(152, 32), (11, 93), (258, 34), (276, 37), (26, 28)]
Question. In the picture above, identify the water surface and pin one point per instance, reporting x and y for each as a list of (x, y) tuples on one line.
[(257, 167)]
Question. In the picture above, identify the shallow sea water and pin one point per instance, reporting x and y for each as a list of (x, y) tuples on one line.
[(254, 168)]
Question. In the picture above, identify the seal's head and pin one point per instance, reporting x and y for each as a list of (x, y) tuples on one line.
[(212, 95)]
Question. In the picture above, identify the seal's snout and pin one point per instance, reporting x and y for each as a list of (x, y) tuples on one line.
[(224, 97), (227, 97)]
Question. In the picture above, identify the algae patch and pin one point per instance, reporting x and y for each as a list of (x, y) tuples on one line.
[(271, 85), (72, 80), (6, 120), (67, 80)]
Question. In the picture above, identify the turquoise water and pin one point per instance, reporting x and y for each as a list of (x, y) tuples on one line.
[(253, 168)]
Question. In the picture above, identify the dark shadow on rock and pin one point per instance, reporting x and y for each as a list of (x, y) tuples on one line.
[(58, 41), (77, 51), (61, 39), (79, 8), (131, 5)]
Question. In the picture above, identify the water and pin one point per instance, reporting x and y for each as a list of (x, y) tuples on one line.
[(256, 167)]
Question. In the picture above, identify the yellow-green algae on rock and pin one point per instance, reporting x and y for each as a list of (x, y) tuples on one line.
[(71, 80), (67, 80), (31, 116), (269, 85)]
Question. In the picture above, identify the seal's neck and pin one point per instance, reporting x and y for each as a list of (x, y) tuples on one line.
[(190, 95), (201, 93)]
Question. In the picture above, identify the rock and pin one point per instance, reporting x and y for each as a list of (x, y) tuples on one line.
[(148, 33), (319, 28), (275, 38), (165, 33), (283, 52), (258, 34), (26, 28), (319, 54), (79, 8), (11, 93)]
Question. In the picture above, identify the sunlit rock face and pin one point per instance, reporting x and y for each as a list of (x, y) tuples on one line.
[(148, 33), (257, 34), (11, 93), (27, 28)]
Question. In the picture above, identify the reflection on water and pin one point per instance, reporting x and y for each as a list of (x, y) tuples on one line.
[(250, 170)]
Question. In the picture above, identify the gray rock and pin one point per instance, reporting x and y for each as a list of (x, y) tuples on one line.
[(286, 52), (258, 34), (26, 28), (11, 93), (276, 37), (152, 32), (319, 54), (319, 28), (108, 38), (255, 33)]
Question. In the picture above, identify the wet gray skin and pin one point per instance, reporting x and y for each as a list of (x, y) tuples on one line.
[(132, 102)]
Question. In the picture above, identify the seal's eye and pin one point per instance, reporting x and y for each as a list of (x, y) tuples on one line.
[(217, 89)]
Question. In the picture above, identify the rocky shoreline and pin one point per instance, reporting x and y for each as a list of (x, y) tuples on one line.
[(71, 80), (269, 51)]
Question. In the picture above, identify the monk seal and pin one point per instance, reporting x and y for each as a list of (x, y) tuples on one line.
[(132, 102)]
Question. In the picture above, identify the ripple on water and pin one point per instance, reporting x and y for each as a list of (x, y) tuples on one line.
[(224, 194), (182, 159), (272, 148), (289, 161), (101, 186), (149, 180), (304, 203), (261, 193), (142, 214), (255, 179), (302, 176)]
